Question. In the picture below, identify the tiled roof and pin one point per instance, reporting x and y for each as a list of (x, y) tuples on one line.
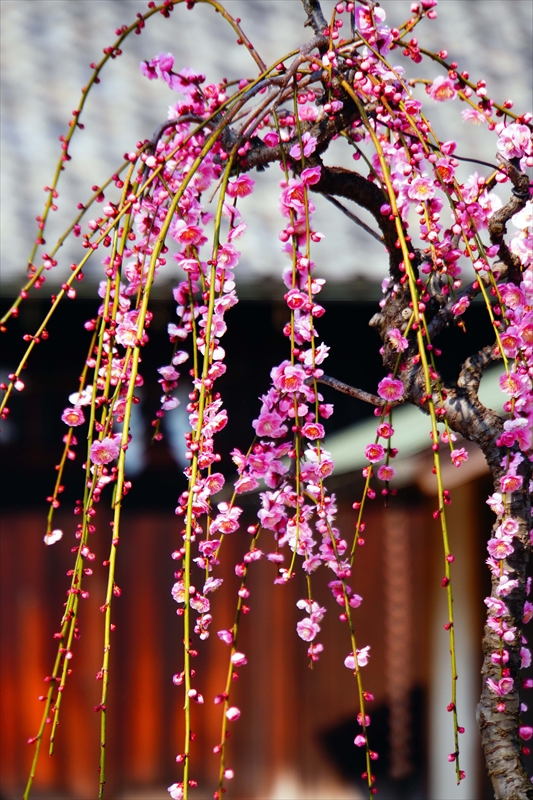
[(48, 45)]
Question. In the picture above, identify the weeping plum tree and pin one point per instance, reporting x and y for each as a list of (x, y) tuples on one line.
[(177, 196)]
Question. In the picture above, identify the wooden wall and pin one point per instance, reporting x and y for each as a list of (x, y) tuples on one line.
[(287, 708)]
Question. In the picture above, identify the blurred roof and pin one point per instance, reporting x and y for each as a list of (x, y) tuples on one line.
[(412, 439), (47, 46)]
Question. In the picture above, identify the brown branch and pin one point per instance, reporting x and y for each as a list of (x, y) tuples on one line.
[(315, 18), (472, 369), (359, 394), (498, 222)]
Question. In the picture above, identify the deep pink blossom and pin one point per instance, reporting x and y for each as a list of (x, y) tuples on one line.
[(511, 482), (386, 473), (374, 452), (73, 417), (246, 484), (363, 18), (313, 430), (461, 306), (501, 687), (310, 175), (240, 187), (270, 424), (309, 146), (398, 341), (288, 378), (390, 389)]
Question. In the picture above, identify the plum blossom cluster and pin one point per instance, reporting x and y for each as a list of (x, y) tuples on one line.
[(500, 547), (296, 506), (203, 297), (516, 440)]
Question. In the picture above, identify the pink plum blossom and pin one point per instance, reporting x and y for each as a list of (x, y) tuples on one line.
[(500, 658), (398, 341), (385, 430), (227, 520), (309, 145), (501, 687), (473, 116), (105, 451), (374, 452), (246, 484), (363, 18), (310, 175), (73, 417), (511, 482), (442, 89), (459, 456), (461, 306), (499, 548), (495, 503), (421, 188), (233, 714), (225, 636), (287, 378), (390, 389), (307, 629), (386, 473), (313, 430), (362, 658), (270, 424), (514, 141), (240, 187), (506, 586)]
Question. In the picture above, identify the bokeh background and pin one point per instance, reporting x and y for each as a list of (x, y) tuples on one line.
[(295, 737)]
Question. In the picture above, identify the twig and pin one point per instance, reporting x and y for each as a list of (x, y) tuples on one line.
[(359, 394), (355, 219)]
